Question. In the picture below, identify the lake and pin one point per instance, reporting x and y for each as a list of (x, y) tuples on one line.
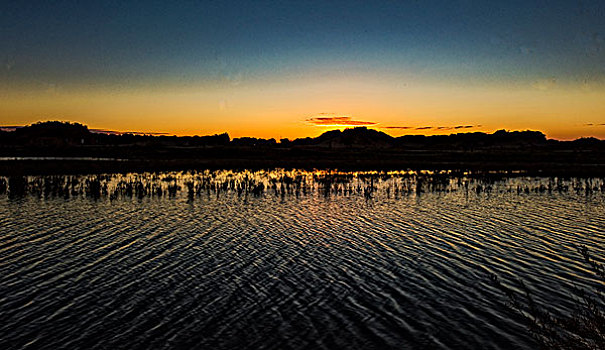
[(288, 259)]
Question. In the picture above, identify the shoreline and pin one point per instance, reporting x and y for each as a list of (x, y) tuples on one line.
[(66, 166)]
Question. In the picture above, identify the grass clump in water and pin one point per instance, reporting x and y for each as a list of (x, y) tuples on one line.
[(583, 328)]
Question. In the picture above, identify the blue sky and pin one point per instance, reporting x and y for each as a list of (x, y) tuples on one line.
[(113, 41), (162, 45)]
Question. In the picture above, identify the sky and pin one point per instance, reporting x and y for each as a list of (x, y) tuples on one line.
[(288, 69)]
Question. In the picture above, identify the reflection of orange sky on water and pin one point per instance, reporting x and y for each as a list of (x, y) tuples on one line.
[(283, 109)]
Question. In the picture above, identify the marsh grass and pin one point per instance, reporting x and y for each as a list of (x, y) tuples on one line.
[(288, 184), (582, 328)]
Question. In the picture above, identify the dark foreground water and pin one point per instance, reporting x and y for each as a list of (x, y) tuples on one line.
[(357, 263)]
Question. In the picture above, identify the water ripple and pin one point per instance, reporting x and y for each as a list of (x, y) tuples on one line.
[(341, 262)]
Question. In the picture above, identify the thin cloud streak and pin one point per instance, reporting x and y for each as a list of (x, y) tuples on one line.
[(9, 128), (111, 132), (327, 120), (431, 127), (98, 131)]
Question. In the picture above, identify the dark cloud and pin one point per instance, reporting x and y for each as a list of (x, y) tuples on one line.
[(98, 131), (593, 124), (432, 127), (337, 120), (107, 132), (112, 132)]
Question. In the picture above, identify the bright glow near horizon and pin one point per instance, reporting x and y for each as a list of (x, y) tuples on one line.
[(266, 70), (281, 111)]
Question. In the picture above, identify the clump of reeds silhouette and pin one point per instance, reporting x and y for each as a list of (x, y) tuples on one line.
[(3, 186), (296, 183), (583, 328), (17, 186)]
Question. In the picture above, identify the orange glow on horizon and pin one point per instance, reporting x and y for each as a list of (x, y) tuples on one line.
[(297, 108)]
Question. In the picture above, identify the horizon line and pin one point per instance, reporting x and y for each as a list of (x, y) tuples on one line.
[(10, 128)]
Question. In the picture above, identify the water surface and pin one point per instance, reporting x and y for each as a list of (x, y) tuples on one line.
[(308, 261)]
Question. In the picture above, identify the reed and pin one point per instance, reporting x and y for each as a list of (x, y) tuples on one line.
[(291, 184), (583, 328)]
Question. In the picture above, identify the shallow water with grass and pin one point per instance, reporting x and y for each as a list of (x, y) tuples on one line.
[(288, 259)]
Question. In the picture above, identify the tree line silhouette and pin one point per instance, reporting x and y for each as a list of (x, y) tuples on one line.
[(30, 149), (56, 133)]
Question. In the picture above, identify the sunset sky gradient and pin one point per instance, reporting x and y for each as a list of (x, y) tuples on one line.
[(299, 68)]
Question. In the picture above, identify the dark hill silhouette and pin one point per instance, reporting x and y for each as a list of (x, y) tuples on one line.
[(355, 137), (53, 133), (252, 142), (362, 137), (354, 148), (54, 129), (474, 140), (359, 137)]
